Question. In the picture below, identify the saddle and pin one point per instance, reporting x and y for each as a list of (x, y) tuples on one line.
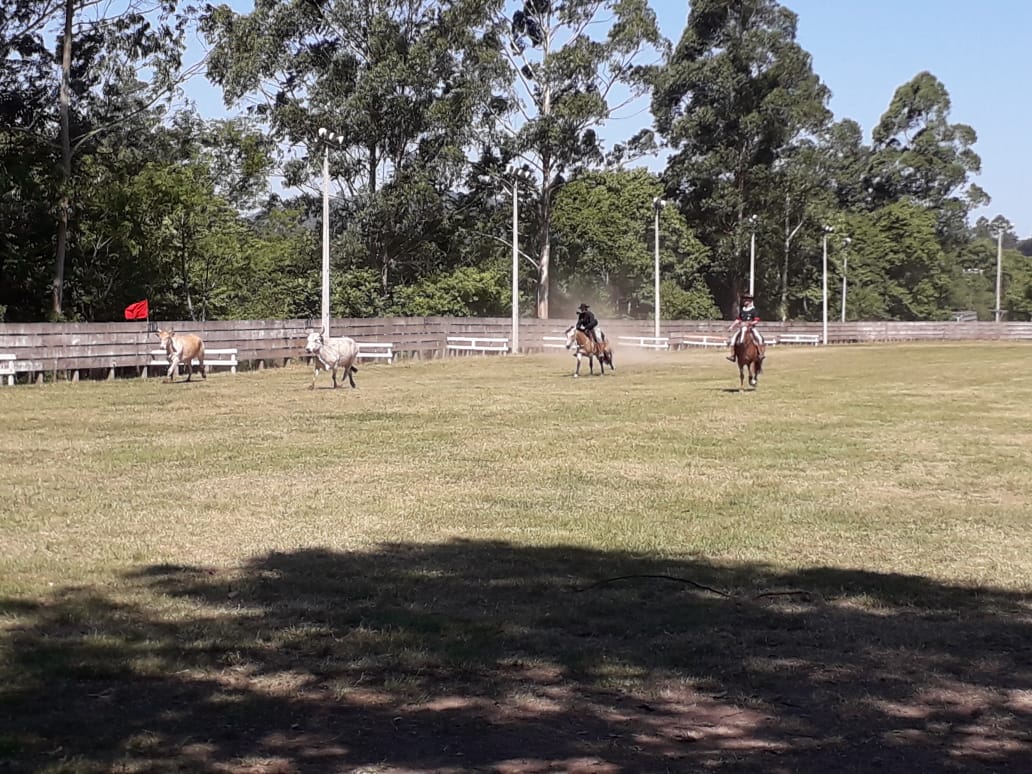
[(747, 330)]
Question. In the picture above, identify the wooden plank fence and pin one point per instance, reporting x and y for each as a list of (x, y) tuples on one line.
[(107, 350)]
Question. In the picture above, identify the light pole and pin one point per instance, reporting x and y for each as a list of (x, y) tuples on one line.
[(657, 205), (824, 285), (999, 271), (516, 174), (845, 265), (515, 265), (752, 254), (327, 137)]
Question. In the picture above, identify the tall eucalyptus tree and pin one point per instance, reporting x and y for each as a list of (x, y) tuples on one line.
[(738, 95), (564, 81), (919, 155), (111, 64), (399, 81)]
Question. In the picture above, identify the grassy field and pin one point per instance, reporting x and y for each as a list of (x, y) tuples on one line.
[(481, 564)]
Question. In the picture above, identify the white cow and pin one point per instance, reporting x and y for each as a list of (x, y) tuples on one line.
[(332, 353)]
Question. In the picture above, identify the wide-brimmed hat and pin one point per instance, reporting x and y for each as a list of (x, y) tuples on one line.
[(582, 307)]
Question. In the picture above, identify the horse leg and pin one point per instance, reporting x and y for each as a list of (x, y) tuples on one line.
[(576, 371), (741, 377), (173, 368)]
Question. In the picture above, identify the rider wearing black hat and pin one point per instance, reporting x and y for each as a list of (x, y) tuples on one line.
[(748, 316), (587, 322)]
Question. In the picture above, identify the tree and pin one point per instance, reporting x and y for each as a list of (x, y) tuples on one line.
[(101, 59), (918, 154), (897, 269), (604, 225), (398, 81), (736, 98), (562, 84)]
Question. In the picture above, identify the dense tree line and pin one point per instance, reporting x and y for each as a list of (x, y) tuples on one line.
[(113, 189)]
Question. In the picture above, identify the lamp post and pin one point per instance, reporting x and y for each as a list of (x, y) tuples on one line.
[(516, 175), (824, 285), (752, 254), (327, 137), (515, 265), (845, 265), (657, 205), (999, 271)]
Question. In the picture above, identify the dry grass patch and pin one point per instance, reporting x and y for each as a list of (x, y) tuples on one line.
[(241, 574)]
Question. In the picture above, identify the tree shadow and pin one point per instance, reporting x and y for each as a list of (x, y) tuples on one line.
[(484, 656)]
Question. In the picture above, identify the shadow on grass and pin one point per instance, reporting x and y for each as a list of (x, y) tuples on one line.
[(483, 656)]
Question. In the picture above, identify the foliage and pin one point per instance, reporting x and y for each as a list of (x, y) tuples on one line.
[(605, 233), (111, 193), (736, 98), (896, 267), (464, 292), (559, 87), (397, 83), (920, 155)]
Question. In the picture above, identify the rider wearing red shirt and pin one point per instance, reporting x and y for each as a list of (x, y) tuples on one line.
[(747, 317)]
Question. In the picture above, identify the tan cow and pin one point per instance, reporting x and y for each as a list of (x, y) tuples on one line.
[(182, 348)]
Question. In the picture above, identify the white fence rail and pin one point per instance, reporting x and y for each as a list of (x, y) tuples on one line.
[(477, 344)]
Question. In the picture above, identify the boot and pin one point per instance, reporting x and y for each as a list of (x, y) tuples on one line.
[(731, 357)]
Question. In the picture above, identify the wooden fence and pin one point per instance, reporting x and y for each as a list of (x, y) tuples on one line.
[(106, 350)]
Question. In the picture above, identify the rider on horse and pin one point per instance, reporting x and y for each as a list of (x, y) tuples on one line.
[(748, 317), (587, 322)]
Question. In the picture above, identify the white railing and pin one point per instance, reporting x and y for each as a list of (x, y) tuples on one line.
[(646, 342), (7, 367), (477, 344), (376, 350), (703, 341), (797, 338), (213, 358)]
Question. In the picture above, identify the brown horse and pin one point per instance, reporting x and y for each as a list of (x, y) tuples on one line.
[(583, 344), (749, 354)]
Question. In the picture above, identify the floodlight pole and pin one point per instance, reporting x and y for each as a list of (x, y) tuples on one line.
[(752, 254), (325, 238), (515, 266), (845, 266), (824, 286), (999, 272), (657, 205)]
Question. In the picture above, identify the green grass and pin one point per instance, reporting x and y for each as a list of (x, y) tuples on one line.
[(246, 542)]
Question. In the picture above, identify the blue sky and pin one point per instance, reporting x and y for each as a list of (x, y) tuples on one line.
[(864, 50)]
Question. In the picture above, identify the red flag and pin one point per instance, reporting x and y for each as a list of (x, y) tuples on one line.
[(137, 311)]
